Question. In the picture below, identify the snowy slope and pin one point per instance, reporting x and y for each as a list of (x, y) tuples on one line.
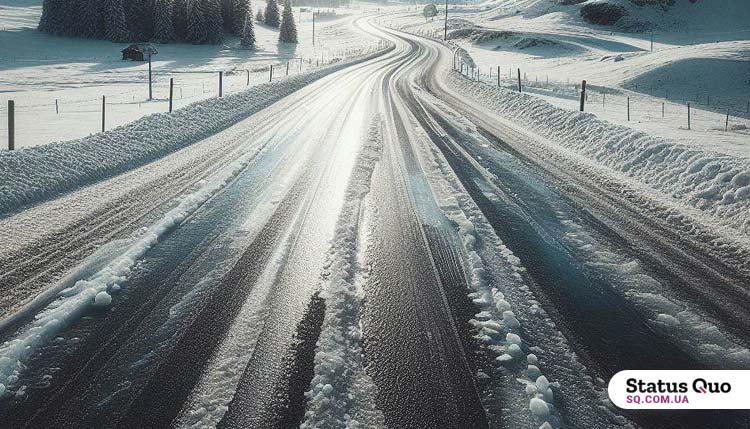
[(659, 15)]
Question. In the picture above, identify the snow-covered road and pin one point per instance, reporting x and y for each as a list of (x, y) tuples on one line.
[(378, 248)]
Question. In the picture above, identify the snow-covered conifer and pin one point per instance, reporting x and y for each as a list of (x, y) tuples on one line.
[(271, 15), (117, 25), (214, 22), (197, 26), (163, 29), (248, 33), (288, 32), (180, 18)]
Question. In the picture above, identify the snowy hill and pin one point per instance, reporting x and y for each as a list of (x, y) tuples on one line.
[(636, 15)]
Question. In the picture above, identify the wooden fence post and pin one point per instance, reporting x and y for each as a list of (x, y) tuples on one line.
[(688, 115), (287, 68), (11, 125), (171, 93), (57, 108), (628, 109), (662, 110), (519, 80), (248, 77), (270, 74), (498, 75), (726, 124), (104, 111), (221, 84), (583, 94)]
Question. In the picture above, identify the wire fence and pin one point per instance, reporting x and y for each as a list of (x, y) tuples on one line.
[(125, 105), (694, 111)]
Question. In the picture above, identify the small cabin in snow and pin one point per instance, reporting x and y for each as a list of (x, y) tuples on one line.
[(138, 52)]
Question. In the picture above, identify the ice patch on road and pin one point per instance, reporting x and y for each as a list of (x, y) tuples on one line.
[(341, 393)]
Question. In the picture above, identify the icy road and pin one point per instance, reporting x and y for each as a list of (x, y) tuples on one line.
[(372, 250)]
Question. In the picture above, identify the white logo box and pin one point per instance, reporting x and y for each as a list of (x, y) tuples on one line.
[(681, 390)]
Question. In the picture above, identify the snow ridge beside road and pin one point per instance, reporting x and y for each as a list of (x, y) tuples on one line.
[(713, 183), (40, 173), (341, 393)]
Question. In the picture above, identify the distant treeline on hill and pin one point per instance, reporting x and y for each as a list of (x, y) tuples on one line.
[(195, 21)]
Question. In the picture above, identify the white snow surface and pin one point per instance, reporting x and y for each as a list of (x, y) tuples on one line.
[(35, 174)]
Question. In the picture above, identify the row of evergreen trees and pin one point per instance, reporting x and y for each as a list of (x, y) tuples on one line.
[(163, 21)]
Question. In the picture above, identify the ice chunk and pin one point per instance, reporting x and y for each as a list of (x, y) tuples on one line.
[(538, 407), (512, 338), (515, 351), (668, 320), (533, 371), (102, 299)]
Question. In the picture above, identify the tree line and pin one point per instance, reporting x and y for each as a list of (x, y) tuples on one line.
[(163, 21)]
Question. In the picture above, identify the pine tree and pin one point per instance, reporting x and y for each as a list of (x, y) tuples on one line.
[(117, 25), (91, 22), (196, 14), (214, 22), (227, 14), (163, 29), (248, 33), (272, 14), (180, 18), (288, 32), (259, 16), (240, 11), (51, 15), (138, 14)]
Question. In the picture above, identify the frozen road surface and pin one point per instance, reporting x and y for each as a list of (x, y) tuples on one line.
[(373, 250)]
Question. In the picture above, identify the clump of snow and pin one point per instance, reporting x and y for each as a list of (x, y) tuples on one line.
[(103, 299), (34, 174), (538, 407)]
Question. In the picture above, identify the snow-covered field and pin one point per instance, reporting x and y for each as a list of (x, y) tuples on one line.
[(701, 55), (58, 83)]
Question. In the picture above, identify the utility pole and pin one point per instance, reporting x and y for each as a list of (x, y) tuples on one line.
[(445, 34)]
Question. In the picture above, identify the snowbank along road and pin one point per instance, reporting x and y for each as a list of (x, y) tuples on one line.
[(378, 248)]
